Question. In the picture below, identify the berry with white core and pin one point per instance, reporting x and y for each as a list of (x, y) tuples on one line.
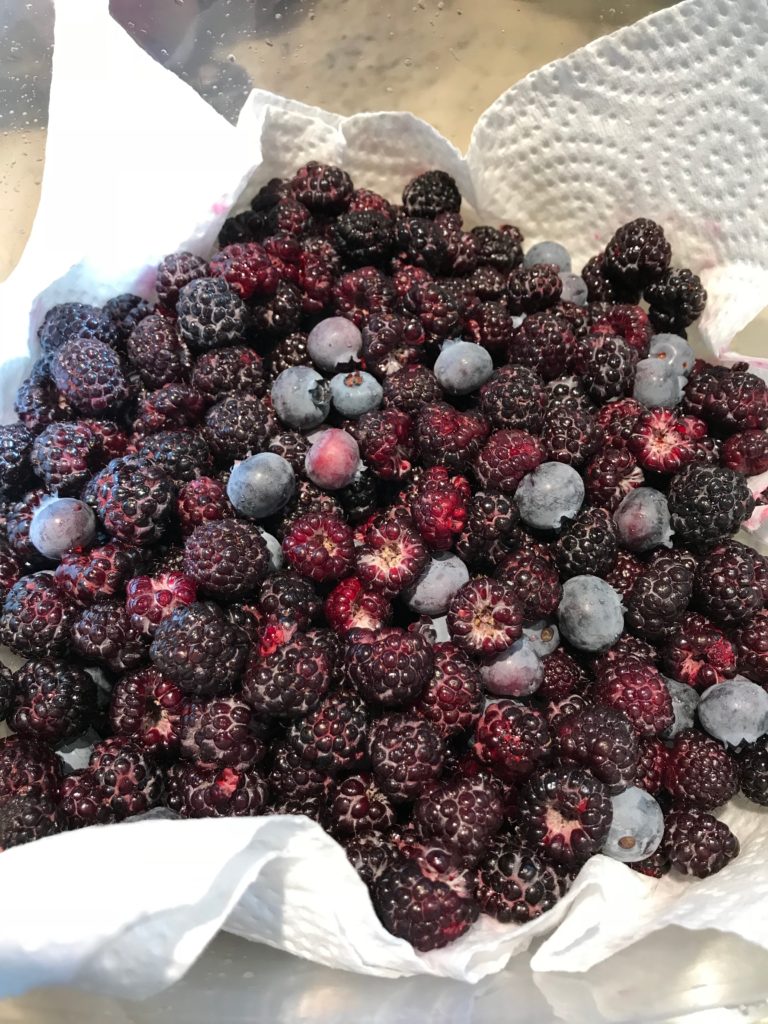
[(334, 344), (261, 485), (60, 525), (333, 459)]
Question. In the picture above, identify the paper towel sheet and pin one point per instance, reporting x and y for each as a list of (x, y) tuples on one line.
[(667, 119)]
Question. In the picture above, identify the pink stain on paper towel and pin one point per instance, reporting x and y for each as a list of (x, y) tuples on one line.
[(218, 208)]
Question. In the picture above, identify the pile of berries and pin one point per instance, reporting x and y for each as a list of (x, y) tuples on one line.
[(399, 526)]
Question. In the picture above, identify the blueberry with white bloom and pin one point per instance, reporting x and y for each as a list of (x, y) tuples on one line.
[(685, 700), (516, 672), (675, 351), (637, 826), (274, 550), (734, 712), (543, 637), (657, 384), (355, 393), (334, 343), (60, 525), (574, 288), (261, 485), (301, 397), (590, 613), (642, 520), (551, 493), (462, 367), (548, 252), (442, 576)]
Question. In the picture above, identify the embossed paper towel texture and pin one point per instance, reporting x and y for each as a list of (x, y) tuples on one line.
[(666, 118)]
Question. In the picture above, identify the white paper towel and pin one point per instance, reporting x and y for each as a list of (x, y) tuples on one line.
[(667, 119)]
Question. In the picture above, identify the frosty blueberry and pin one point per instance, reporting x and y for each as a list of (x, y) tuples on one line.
[(61, 524), (543, 637), (637, 827), (334, 343), (548, 252), (551, 493), (734, 712), (674, 351), (275, 549), (575, 288), (657, 384), (301, 397), (462, 367), (590, 613), (685, 700), (355, 393), (433, 590), (333, 459), (642, 520), (261, 485), (516, 672)]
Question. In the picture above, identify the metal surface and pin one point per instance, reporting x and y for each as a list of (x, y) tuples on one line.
[(446, 61)]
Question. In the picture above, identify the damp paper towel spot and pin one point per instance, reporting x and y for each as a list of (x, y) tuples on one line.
[(666, 119)]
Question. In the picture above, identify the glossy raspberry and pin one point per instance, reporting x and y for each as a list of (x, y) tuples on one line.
[(609, 367), (563, 676), (371, 854), (439, 507), (360, 294), (565, 813), (516, 885), (291, 777), (53, 701), (602, 288), (751, 641), (103, 634), (638, 254), (500, 248), (511, 738), (485, 616), (28, 766), (357, 805), (571, 436), (37, 618), (133, 781), (534, 579), (629, 321), (411, 387), (491, 529), (452, 699), (38, 403), (431, 193), (515, 398), (288, 351), (75, 320), (174, 272), (542, 342), (726, 587), (236, 427), (676, 300), (436, 307), (697, 843), (224, 731), (157, 352), (322, 188), (211, 314), (98, 574), (289, 682), (198, 648), (206, 791), (392, 343), (146, 708), (15, 466), (406, 755), (227, 559), (699, 772), (133, 498), (89, 375), (353, 604), (609, 477), (461, 815), (27, 817), (200, 501), (533, 289), (506, 457), (587, 546), (390, 667), (659, 599), (333, 736), (385, 438), (448, 437), (64, 456), (617, 420), (698, 653), (602, 740), (753, 772), (651, 765), (391, 556), (661, 441), (319, 547), (183, 454), (637, 689), (228, 370), (729, 399), (628, 646), (747, 452)]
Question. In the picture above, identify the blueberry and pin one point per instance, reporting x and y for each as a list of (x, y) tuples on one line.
[(439, 627), (301, 397), (642, 520), (333, 459), (590, 613), (334, 343), (544, 637), (574, 288), (433, 590), (549, 494), (657, 384), (637, 827), (734, 712), (675, 351), (548, 252), (261, 485), (685, 700), (275, 550), (462, 367), (516, 672), (355, 393), (61, 524)]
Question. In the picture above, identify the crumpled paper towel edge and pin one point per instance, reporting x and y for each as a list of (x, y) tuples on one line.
[(485, 936)]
